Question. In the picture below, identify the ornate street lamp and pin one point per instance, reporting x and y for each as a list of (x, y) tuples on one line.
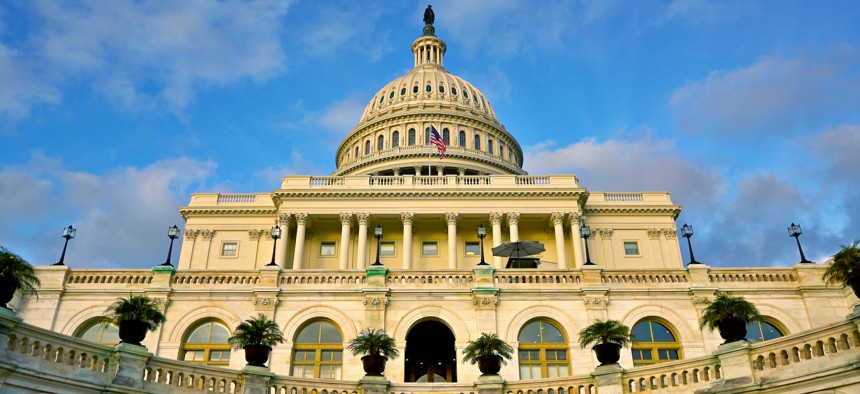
[(172, 233), (276, 235), (68, 233), (482, 232), (794, 231), (687, 232), (585, 231), (377, 232)]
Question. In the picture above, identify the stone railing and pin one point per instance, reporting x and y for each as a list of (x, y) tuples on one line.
[(349, 279), (513, 277), (448, 181), (645, 277), (90, 278), (567, 385), (236, 198), (160, 374), (294, 385), (821, 344), (427, 279), (446, 388), (207, 279), (683, 375), (423, 150)]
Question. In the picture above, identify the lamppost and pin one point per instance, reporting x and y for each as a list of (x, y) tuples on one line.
[(794, 231), (172, 233), (68, 233), (687, 232), (377, 232), (276, 235), (585, 231), (482, 232)]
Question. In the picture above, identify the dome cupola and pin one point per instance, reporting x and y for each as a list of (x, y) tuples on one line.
[(393, 135)]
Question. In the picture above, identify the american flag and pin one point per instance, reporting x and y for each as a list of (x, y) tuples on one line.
[(437, 140)]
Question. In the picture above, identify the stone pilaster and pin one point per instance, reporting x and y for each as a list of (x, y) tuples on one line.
[(256, 380), (127, 365), (375, 296)]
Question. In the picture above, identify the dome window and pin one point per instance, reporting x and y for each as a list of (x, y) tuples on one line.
[(381, 98), (441, 89), (367, 147), (380, 143), (477, 142), (462, 138), (429, 89), (391, 95), (454, 91), (395, 137), (411, 137), (415, 89), (446, 136), (402, 91), (465, 94), (490, 146)]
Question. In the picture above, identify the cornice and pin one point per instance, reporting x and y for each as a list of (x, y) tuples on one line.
[(281, 195), (674, 210), (423, 156), (186, 212)]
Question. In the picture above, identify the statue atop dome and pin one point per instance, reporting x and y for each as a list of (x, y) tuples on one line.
[(429, 19)]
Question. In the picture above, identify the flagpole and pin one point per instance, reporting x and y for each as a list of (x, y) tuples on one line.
[(430, 154)]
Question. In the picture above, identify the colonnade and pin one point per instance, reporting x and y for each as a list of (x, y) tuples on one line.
[(362, 219)]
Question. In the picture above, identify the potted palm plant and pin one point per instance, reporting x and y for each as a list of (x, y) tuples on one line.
[(489, 351), (608, 336), (135, 315), (15, 273), (256, 336), (730, 315), (377, 348), (845, 267)]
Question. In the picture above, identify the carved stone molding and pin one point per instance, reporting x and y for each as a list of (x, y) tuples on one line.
[(302, 218), (496, 218), (265, 303), (557, 218), (654, 233), (669, 233), (513, 218), (451, 218), (284, 219), (207, 234), (595, 302), (345, 218), (407, 217), (375, 303), (363, 218), (481, 301), (575, 218), (605, 233), (191, 233), (255, 234), (701, 300)]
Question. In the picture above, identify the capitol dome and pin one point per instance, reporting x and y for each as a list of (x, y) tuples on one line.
[(393, 135)]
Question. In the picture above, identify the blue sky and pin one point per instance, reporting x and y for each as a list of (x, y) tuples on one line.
[(113, 112)]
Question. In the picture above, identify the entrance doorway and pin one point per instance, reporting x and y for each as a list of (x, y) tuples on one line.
[(430, 354)]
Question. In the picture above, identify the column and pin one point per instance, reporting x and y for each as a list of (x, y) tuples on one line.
[(281, 247), (361, 258), (301, 224), (440, 170), (451, 218), (496, 222), (558, 225), (513, 223), (407, 218), (575, 220), (345, 220)]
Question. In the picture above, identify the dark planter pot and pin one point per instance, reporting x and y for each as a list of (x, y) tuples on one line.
[(132, 332), (855, 285), (490, 365), (257, 355), (7, 291), (732, 329), (607, 353), (374, 365)]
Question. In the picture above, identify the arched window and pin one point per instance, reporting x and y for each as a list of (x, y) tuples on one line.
[(318, 351), (411, 137), (765, 330), (356, 152), (415, 89), (99, 331), (490, 146), (427, 136), (207, 344), (462, 138), (477, 142), (543, 351), (502, 151), (380, 143), (654, 342), (446, 136), (367, 147), (395, 139)]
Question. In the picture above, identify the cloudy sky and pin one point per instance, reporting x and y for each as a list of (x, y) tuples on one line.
[(113, 112)]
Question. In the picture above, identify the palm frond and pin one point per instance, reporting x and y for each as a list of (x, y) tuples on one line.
[(486, 345), (373, 342), (845, 265), (17, 272), (726, 306), (137, 307), (259, 330), (609, 331)]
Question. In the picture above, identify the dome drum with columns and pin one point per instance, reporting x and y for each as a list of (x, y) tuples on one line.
[(392, 137)]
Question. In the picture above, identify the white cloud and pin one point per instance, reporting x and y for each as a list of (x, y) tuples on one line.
[(774, 95), (122, 216), (140, 51), (20, 88)]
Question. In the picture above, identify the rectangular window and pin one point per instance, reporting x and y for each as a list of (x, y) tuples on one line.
[(327, 249), (473, 248), (386, 248), (429, 248), (229, 249), (631, 248)]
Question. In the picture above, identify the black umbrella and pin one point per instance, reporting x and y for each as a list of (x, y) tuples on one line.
[(518, 249)]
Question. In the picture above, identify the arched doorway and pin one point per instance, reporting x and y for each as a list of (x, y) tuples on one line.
[(430, 354)]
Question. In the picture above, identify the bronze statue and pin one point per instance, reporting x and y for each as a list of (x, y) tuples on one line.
[(429, 16)]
